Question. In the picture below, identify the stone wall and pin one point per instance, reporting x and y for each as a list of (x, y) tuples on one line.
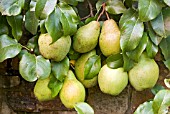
[(16, 95)]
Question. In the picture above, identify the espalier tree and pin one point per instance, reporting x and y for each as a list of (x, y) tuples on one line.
[(64, 52)]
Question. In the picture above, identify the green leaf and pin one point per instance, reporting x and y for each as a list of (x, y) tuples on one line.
[(11, 7), (157, 88), (151, 49), (158, 25), (16, 24), (115, 61), (32, 67), (167, 82), (92, 67), (161, 102), (128, 63), (31, 22), (136, 53), (115, 7), (167, 63), (131, 34), (167, 2), (165, 47), (55, 86), (3, 25), (166, 17), (9, 47), (60, 69), (149, 9), (83, 108), (44, 8), (145, 108), (53, 25)]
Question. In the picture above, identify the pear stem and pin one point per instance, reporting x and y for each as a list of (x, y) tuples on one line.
[(107, 15), (103, 5)]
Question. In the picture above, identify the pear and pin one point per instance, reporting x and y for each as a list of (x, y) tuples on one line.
[(72, 91), (79, 69), (86, 37), (41, 90), (109, 40), (57, 50), (112, 81), (144, 74)]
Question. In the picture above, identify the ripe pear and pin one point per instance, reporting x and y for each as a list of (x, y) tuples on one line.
[(72, 91), (109, 40), (57, 50), (112, 81), (144, 74), (79, 69), (41, 90), (86, 37)]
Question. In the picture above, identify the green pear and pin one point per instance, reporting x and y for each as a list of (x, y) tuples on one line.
[(86, 37), (144, 74), (41, 90), (72, 91), (79, 69), (57, 50), (112, 81), (109, 40)]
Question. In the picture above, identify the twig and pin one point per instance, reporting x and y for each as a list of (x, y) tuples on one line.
[(86, 17), (103, 5), (30, 50), (91, 8)]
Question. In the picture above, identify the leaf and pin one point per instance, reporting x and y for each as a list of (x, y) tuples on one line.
[(166, 17), (3, 25), (131, 34), (16, 24), (157, 88), (128, 63), (53, 25), (145, 108), (148, 9), (83, 108), (167, 63), (161, 102), (151, 49), (167, 82), (167, 2), (32, 67), (31, 22), (158, 25), (136, 53), (44, 8), (92, 67), (60, 69), (11, 7), (115, 61), (115, 7), (165, 47), (55, 86), (9, 47)]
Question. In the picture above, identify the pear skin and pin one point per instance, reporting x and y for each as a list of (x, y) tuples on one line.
[(86, 37), (57, 50), (72, 91), (109, 40)]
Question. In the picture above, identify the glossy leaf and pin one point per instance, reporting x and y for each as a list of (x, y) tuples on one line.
[(60, 69), (11, 7), (136, 53), (167, 2), (158, 25), (151, 49), (148, 9), (145, 108), (31, 22), (165, 47), (115, 61), (157, 88), (32, 67), (55, 86), (161, 102), (92, 67), (53, 25), (167, 63), (9, 47), (166, 17), (131, 34), (3, 25), (44, 8), (16, 24), (72, 2), (115, 7), (167, 82), (128, 63), (83, 108)]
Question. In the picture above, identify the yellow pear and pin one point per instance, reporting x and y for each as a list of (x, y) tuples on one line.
[(109, 40)]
